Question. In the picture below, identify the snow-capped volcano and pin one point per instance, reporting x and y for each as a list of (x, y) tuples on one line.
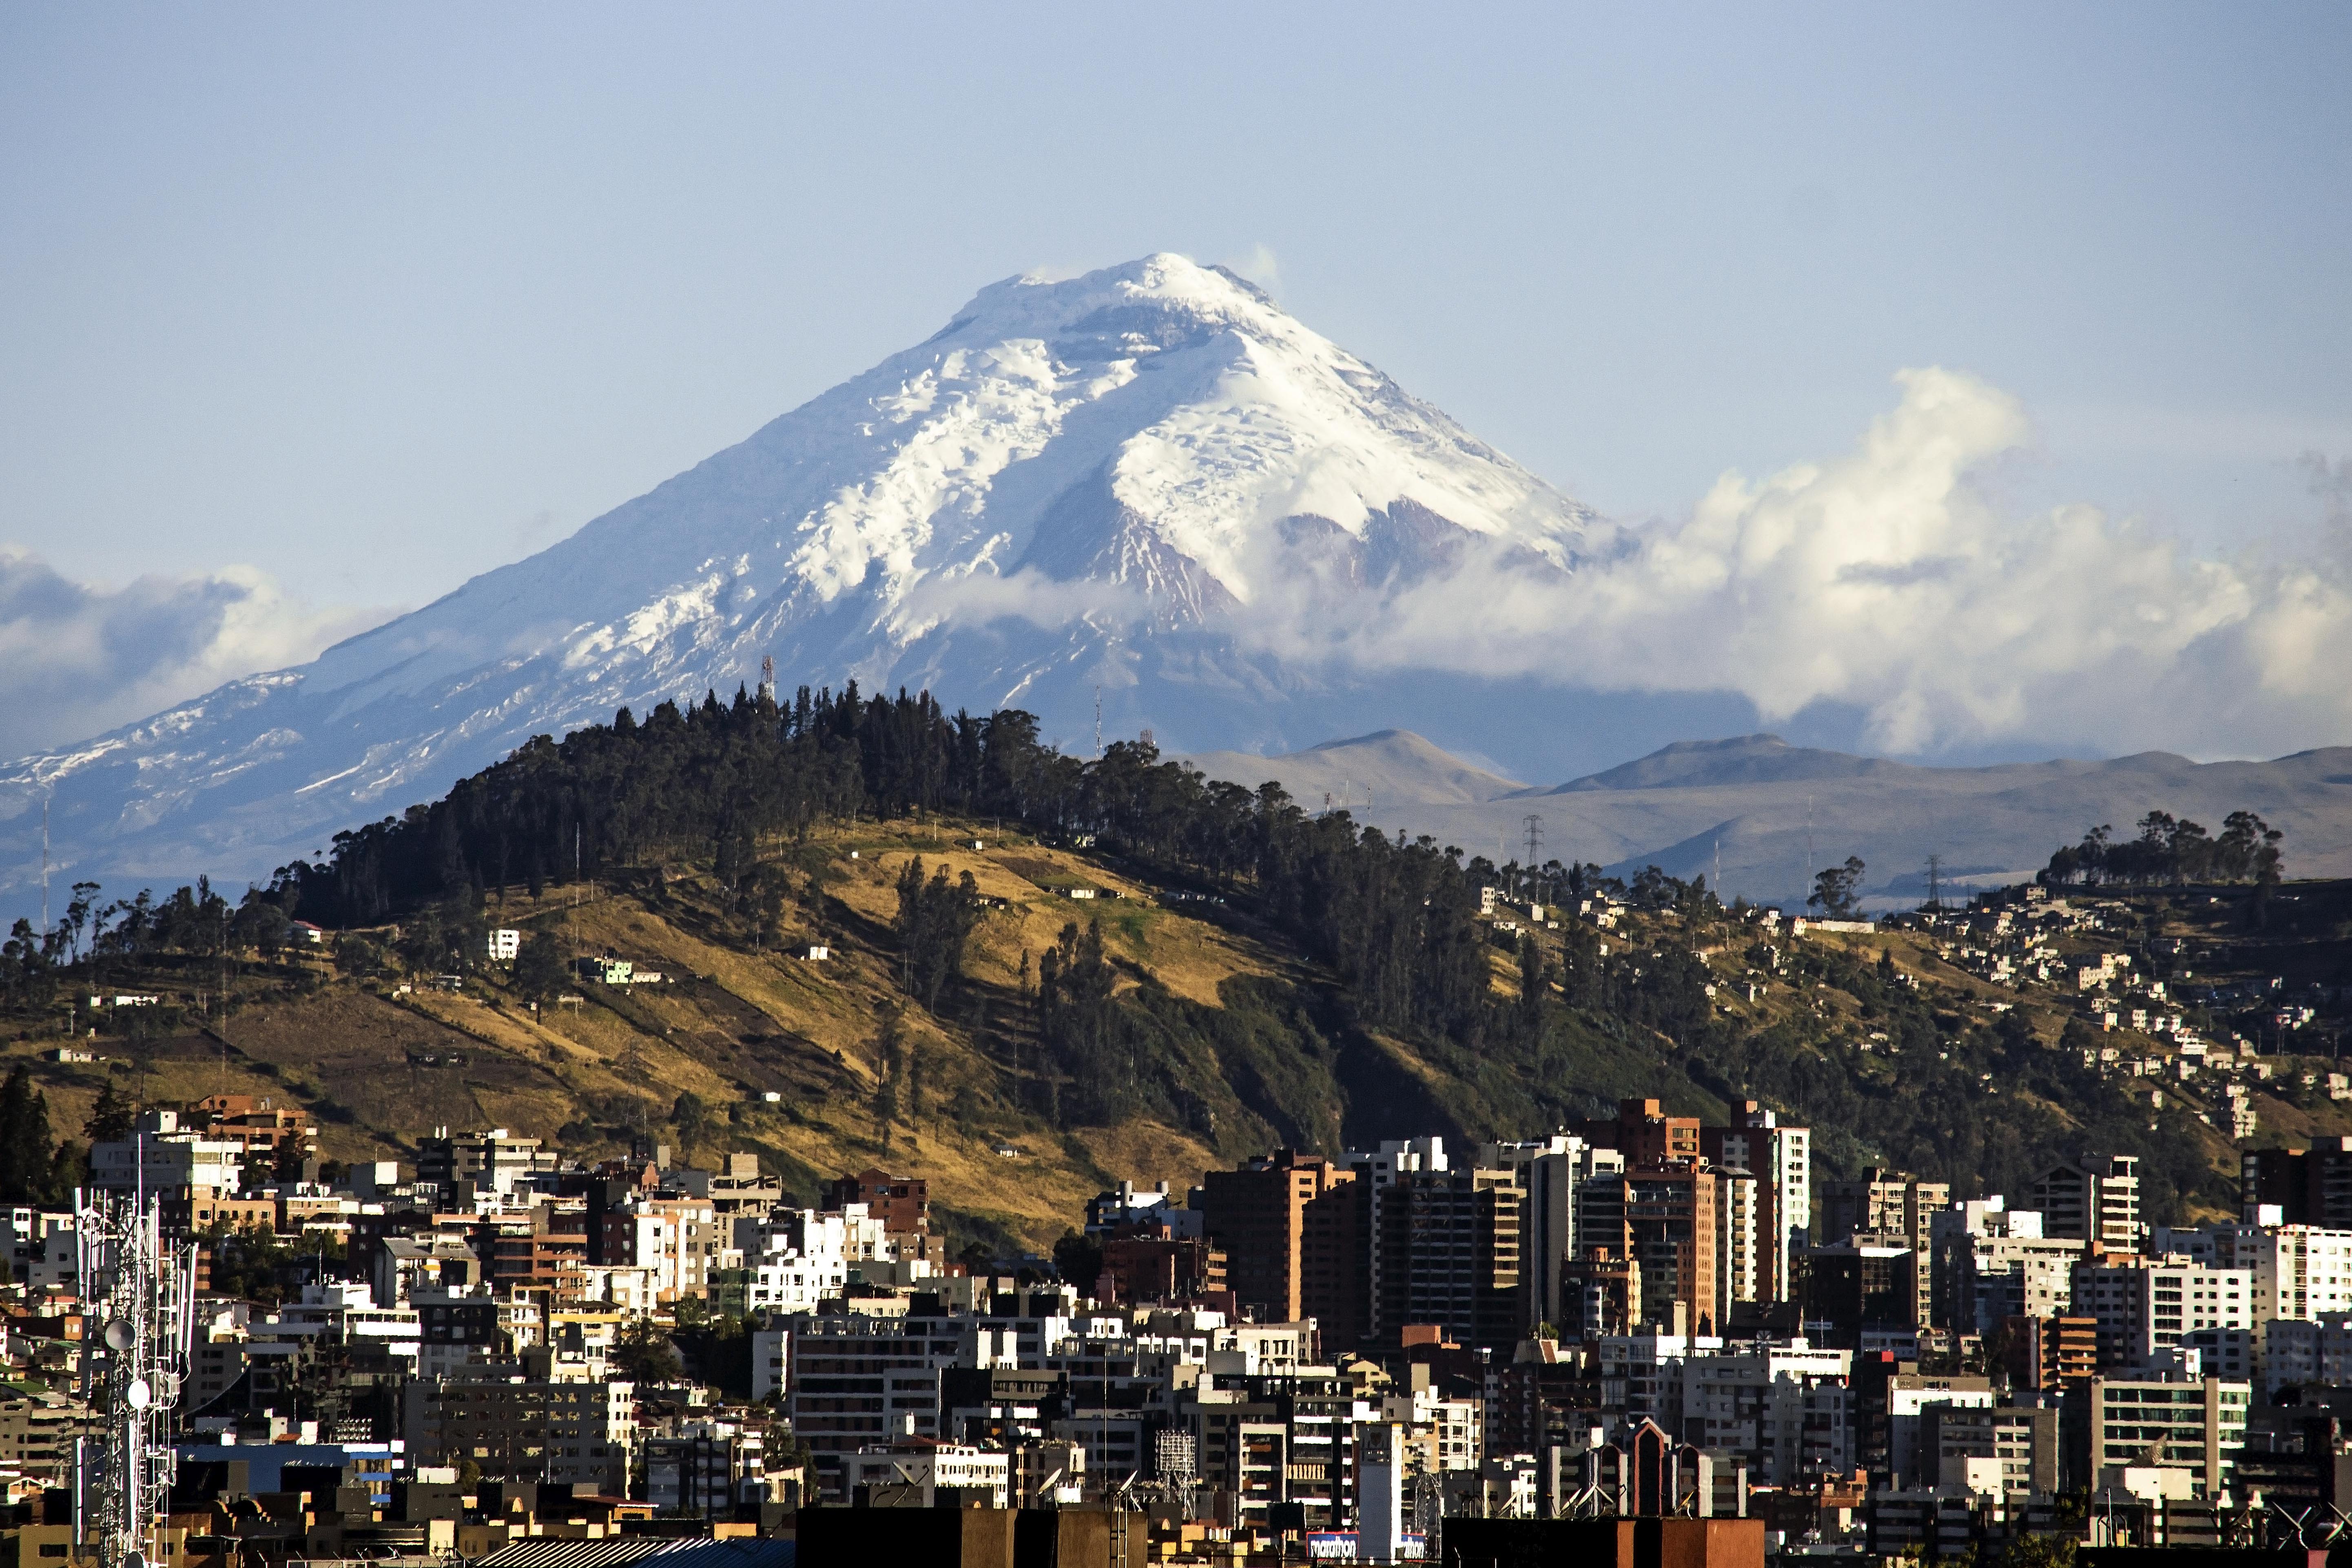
[(1115, 483)]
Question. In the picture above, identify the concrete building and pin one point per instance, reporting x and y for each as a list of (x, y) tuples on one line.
[(2021, 1440), (565, 1433), (1551, 1171), (1781, 1161), (2298, 1186), (1449, 1249), (900, 1202), (1665, 1220), (1991, 1264), (919, 1472), (1258, 1215), (2094, 1199), (493, 1161), (2142, 1305), (2197, 1427)]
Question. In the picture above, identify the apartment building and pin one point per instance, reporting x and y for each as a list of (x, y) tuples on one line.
[(1665, 1220), (1449, 1249), (2142, 1305), (2096, 1198), (2198, 1426), (1781, 1161), (1258, 1214), (565, 1433)]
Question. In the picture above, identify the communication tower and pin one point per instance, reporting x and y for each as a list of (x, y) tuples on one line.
[(140, 1299), (768, 677)]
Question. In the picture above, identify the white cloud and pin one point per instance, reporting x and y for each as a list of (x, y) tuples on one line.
[(1884, 579), (1260, 266), (77, 659)]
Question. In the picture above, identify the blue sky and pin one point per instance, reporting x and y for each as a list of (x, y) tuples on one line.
[(370, 300)]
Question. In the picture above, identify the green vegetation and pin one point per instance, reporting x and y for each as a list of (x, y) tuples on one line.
[(1316, 984)]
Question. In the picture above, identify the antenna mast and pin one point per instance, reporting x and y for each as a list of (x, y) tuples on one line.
[(1097, 723), (140, 1301), (768, 677), (1935, 881), (45, 867)]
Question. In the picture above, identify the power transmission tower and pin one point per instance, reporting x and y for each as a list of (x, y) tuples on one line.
[(1935, 881), (1534, 840)]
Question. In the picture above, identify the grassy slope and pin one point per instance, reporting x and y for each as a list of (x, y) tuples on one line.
[(736, 1020)]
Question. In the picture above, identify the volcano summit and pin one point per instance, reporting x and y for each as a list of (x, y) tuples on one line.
[(1148, 482)]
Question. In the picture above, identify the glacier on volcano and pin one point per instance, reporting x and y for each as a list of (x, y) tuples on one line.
[(1105, 489)]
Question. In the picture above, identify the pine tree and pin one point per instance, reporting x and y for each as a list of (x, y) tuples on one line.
[(113, 1117), (26, 1151)]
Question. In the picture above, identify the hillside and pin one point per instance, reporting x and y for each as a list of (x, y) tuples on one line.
[(1236, 1039)]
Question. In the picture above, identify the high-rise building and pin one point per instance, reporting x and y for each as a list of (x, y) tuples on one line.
[(1645, 1134), (1599, 1294), (1258, 1215), (1781, 1161), (1552, 1170), (2096, 1198), (2145, 1305), (1376, 1172), (1739, 1243), (1335, 1272), (1663, 1218), (1882, 1202), (2299, 1186), (1449, 1251), (1863, 1282), (2300, 1270), (2197, 1427)]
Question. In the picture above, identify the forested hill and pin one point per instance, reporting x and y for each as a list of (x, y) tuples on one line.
[(1271, 975)]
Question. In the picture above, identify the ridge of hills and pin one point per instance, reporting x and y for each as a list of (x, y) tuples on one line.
[(1179, 1019), (1765, 813)]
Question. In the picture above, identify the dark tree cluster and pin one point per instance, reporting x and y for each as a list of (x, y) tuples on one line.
[(935, 919), (714, 781), (34, 1168), (2170, 851)]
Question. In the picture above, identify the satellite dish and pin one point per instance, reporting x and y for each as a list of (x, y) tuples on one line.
[(139, 1396), (121, 1334)]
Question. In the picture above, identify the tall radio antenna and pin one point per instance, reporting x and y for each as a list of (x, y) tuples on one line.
[(140, 1301), (45, 867), (1097, 723)]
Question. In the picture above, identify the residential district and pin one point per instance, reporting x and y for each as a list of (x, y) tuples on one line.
[(1305, 1356)]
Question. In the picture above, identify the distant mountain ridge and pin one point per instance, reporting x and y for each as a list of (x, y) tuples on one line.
[(1742, 759), (1756, 815), (1389, 764)]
